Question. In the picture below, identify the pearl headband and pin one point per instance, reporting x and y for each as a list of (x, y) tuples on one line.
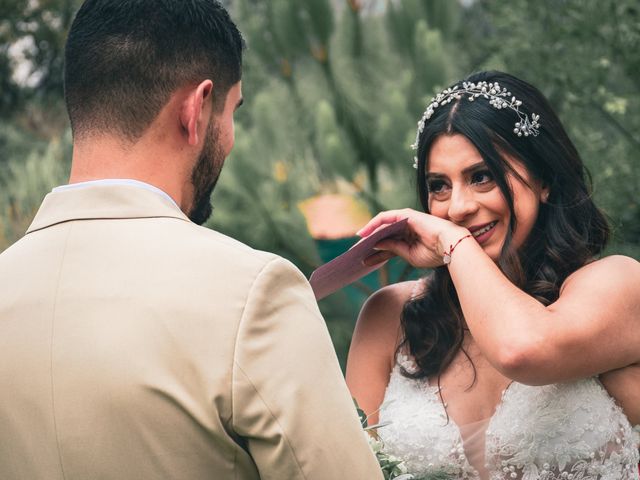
[(498, 98)]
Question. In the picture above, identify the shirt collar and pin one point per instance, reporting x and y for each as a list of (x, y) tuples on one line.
[(115, 181)]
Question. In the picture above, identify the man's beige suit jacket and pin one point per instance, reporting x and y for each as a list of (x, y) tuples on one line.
[(137, 345)]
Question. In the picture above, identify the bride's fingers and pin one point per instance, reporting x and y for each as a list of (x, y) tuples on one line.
[(414, 254), (383, 218), (398, 247), (377, 258)]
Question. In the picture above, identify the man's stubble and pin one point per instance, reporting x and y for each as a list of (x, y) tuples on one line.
[(205, 175)]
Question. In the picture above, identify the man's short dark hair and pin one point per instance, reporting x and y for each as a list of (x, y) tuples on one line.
[(124, 59)]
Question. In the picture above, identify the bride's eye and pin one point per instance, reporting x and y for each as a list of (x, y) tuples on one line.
[(436, 187), (481, 177)]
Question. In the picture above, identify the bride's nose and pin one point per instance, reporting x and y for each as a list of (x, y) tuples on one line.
[(462, 204)]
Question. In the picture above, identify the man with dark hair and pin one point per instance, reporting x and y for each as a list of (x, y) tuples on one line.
[(135, 344)]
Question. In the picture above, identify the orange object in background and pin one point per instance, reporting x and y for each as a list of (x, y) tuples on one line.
[(334, 215)]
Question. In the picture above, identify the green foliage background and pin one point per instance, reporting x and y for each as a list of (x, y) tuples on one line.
[(333, 90)]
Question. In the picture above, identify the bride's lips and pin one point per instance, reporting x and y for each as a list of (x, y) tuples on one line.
[(483, 232)]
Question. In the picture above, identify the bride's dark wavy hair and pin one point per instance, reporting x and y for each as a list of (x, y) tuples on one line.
[(569, 231)]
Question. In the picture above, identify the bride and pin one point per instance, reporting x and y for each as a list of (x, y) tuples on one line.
[(518, 357)]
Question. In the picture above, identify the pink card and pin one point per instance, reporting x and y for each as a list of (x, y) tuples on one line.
[(348, 267)]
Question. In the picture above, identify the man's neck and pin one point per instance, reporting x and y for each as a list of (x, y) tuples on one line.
[(107, 157)]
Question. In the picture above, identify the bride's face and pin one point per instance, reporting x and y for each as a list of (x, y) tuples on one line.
[(463, 190)]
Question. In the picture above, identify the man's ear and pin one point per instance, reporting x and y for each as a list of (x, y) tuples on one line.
[(192, 117)]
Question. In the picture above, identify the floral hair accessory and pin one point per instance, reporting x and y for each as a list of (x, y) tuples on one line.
[(498, 97)]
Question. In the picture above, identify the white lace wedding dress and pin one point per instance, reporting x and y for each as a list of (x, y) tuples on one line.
[(569, 431)]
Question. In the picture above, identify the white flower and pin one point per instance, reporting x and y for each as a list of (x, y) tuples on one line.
[(375, 444)]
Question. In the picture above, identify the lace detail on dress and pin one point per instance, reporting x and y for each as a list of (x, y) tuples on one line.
[(565, 431), (420, 433), (571, 431)]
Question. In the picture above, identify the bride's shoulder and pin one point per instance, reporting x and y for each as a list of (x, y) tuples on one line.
[(615, 272), (382, 310), (378, 327)]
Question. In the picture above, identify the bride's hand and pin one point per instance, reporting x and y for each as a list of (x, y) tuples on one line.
[(422, 244)]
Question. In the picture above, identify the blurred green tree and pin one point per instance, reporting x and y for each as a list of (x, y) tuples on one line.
[(32, 36), (34, 138)]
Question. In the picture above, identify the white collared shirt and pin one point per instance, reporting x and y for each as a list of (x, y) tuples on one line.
[(116, 181)]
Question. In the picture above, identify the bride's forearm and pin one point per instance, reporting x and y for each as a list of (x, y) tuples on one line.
[(508, 324)]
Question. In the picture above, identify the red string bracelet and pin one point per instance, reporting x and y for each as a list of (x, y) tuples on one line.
[(446, 257)]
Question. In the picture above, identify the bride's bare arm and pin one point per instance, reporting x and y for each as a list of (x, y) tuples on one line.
[(373, 346), (624, 385), (592, 328)]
